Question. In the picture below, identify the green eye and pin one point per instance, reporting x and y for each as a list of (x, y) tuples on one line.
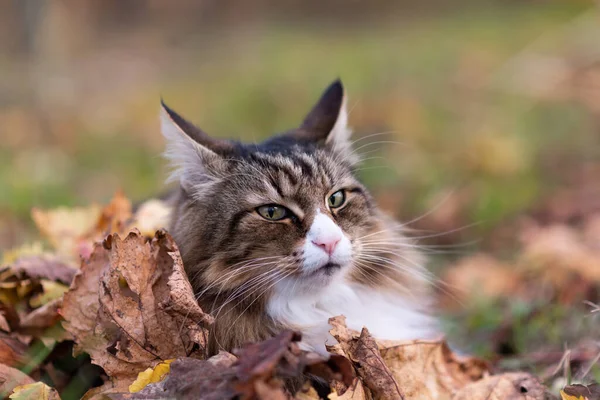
[(337, 199), (272, 212)]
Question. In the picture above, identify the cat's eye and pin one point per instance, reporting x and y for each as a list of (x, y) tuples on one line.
[(337, 199), (273, 212)]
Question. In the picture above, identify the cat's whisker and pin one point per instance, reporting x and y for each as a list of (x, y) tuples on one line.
[(373, 234), (251, 265), (256, 284), (260, 295), (431, 210), (246, 283), (423, 273), (258, 280), (422, 246), (366, 265), (462, 228), (428, 249), (395, 265), (234, 272), (379, 142), (432, 279), (360, 139), (256, 287), (394, 282)]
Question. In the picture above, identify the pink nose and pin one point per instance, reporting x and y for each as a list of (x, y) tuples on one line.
[(327, 244)]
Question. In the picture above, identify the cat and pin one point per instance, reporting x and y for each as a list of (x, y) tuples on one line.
[(281, 235)]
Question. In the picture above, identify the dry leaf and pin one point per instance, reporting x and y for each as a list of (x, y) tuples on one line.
[(12, 350), (307, 393), (480, 275), (151, 216), (34, 391), (3, 322), (363, 352), (72, 232), (51, 291), (559, 252), (128, 307), (43, 317), (151, 375), (113, 217), (64, 227), (410, 370), (43, 266), (581, 392), (565, 396), (355, 391), (11, 378), (26, 250), (257, 373), (509, 386)]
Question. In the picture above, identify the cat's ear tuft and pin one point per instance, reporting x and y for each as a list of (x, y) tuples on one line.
[(328, 119), (192, 153)]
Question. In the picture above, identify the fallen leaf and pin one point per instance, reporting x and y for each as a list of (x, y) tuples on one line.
[(509, 386), (26, 250), (581, 392), (12, 350), (11, 378), (558, 252), (151, 375), (3, 322), (258, 373), (43, 266), (355, 391), (114, 217), (151, 216), (64, 227), (72, 232), (51, 291), (43, 317), (406, 370), (123, 307), (34, 391), (307, 393), (479, 275)]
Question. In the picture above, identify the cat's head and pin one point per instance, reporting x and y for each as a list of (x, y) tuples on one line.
[(289, 209)]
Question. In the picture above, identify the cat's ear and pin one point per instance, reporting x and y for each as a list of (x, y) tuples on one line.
[(194, 155), (328, 120)]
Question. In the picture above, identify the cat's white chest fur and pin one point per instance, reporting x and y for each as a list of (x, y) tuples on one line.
[(386, 315)]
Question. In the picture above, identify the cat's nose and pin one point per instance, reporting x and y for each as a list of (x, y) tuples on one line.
[(327, 243)]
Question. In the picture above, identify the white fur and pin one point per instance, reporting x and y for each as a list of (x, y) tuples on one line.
[(307, 303), (386, 315), (339, 137), (341, 132), (324, 229)]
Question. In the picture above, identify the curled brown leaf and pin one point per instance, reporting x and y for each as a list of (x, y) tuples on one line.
[(123, 307)]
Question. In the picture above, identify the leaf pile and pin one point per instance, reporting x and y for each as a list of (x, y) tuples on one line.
[(553, 260), (129, 305)]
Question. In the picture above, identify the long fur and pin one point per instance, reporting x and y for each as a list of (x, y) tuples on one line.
[(258, 276)]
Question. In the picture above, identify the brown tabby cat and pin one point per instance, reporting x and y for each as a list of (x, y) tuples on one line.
[(281, 235)]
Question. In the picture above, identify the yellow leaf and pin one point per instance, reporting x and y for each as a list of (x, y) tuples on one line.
[(52, 291), (32, 249), (34, 391), (565, 396), (151, 375), (151, 216), (63, 227)]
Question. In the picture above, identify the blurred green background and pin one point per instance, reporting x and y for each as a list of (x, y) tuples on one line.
[(481, 112), (485, 105)]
